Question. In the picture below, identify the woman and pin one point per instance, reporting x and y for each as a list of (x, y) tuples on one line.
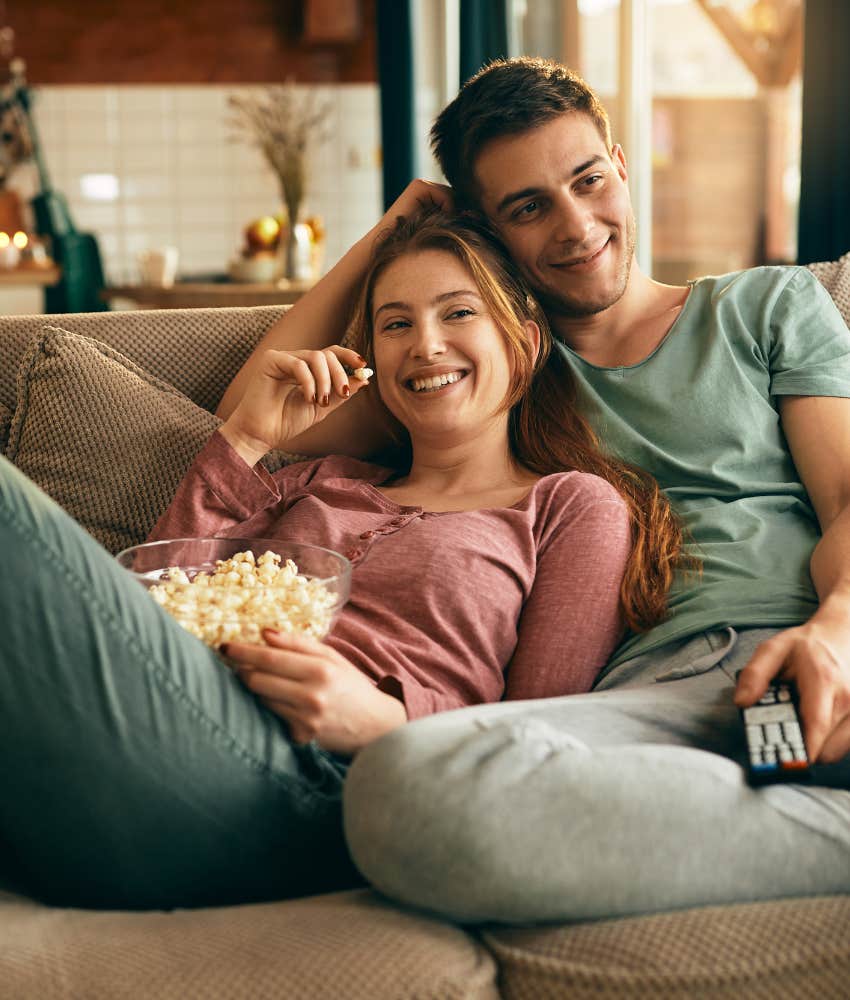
[(165, 782)]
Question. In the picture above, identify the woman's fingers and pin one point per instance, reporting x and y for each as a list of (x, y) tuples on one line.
[(292, 367), (321, 375)]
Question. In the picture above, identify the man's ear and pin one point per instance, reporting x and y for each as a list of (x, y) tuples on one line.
[(532, 331), (618, 158)]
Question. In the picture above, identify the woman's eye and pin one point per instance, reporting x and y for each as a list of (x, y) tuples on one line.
[(461, 313), (395, 325)]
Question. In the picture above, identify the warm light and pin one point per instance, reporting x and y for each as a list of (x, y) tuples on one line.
[(4, 240), (100, 187), (20, 240)]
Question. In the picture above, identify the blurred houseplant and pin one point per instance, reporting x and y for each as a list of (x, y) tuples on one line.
[(285, 125)]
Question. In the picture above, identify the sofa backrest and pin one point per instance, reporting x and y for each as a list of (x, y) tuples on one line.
[(196, 350)]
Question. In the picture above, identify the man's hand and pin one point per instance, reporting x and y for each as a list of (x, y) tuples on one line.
[(317, 691), (816, 656), (418, 194)]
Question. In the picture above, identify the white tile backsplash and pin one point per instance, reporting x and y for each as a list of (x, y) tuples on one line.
[(183, 180)]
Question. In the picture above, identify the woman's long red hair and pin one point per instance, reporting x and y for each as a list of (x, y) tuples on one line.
[(547, 432)]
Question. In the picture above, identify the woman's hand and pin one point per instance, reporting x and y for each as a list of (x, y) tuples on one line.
[(289, 393), (317, 691)]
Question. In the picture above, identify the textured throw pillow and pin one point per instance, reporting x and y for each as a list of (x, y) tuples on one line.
[(5, 424), (834, 275), (109, 442)]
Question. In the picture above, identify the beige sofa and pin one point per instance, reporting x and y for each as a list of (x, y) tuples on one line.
[(106, 418)]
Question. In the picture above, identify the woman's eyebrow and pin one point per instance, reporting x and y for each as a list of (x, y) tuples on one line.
[(439, 298)]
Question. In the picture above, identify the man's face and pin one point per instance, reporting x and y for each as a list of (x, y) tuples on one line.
[(561, 204)]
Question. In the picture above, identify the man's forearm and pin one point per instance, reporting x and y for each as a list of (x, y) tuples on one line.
[(316, 321), (830, 567)]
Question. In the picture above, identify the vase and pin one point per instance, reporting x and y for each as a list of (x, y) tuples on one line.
[(298, 253), (290, 254)]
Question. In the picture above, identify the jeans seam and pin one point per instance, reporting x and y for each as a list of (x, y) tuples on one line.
[(117, 627)]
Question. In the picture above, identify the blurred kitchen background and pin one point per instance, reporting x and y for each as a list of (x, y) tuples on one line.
[(131, 106)]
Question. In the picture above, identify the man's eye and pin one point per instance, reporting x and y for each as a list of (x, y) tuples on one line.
[(591, 180), (529, 208)]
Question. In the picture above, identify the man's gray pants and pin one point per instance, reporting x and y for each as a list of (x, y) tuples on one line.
[(627, 800)]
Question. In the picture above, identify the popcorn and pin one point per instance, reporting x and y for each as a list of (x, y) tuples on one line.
[(363, 373), (244, 595)]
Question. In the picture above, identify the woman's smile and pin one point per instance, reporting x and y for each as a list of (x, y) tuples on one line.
[(426, 384)]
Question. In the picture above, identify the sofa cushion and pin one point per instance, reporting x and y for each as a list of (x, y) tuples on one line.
[(834, 275), (5, 424), (107, 441), (196, 350), (351, 944), (789, 947)]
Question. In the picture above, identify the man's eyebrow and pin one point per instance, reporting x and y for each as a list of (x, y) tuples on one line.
[(529, 192), (440, 298)]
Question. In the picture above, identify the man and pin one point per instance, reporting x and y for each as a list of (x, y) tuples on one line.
[(735, 393)]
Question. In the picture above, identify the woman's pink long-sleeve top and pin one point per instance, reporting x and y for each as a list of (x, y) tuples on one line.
[(447, 609)]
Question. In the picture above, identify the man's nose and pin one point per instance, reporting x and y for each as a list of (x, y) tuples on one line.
[(573, 220)]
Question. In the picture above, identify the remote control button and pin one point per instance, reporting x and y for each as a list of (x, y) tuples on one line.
[(773, 732), (792, 732), (755, 735), (769, 754), (783, 694), (785, 753), (768, 698)]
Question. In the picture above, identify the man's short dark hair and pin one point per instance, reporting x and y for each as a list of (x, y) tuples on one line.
[(507, 97)]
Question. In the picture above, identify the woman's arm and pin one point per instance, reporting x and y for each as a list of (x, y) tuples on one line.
[(318, 320), (572, 620), (224, 486), (219, 492)]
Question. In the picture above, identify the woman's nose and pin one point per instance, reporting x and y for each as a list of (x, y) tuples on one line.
[(429, 340)]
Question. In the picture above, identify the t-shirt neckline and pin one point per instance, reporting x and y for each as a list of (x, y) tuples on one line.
[(691, 284)]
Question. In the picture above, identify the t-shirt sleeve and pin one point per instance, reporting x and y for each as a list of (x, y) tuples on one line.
[(810, 342), (572, 620)]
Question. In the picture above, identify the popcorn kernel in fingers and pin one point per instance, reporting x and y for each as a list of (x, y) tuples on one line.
[(364, 374)]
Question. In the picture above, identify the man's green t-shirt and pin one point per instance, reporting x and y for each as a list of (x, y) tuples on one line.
[(700, 413)]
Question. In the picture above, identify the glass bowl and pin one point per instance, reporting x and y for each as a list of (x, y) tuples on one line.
[(235, 602)]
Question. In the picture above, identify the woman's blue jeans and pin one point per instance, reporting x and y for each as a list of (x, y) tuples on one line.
[(135, 770)]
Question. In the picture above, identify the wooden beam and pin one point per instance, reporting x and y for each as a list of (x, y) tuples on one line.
[(772, 61)]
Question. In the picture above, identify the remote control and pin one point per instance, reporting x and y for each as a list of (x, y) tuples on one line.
[(775, 747)]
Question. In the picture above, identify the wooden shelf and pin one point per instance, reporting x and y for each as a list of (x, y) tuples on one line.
[(195, 295), (30, 276)]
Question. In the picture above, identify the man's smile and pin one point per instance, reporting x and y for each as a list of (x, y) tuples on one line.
[(575, 263)]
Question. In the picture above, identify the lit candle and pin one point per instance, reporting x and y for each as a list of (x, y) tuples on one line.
[(9, 253)]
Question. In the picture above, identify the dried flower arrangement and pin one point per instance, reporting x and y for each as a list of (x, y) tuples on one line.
[(284, 124)]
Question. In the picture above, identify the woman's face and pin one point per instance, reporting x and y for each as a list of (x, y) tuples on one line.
[(441, 362)]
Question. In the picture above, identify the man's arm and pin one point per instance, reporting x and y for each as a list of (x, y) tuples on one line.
[(817, 653), (318, 320)]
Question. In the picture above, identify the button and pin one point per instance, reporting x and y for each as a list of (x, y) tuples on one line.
[(368, 534), (352, 553), (397, 522)]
